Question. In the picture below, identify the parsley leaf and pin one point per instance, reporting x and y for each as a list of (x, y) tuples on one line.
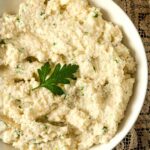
[(60, 75)]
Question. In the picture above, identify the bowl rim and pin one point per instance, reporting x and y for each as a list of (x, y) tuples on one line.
[(116, 140)]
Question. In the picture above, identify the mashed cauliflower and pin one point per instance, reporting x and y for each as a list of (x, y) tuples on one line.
[(65, 32)]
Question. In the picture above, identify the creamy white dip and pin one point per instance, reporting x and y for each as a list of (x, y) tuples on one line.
[(65, 32)]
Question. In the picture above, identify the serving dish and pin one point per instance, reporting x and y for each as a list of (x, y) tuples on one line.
[(115, 14)]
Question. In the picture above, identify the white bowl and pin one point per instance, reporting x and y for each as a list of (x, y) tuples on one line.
[(115, 14)]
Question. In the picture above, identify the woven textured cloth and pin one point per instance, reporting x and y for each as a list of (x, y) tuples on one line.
[(139, 136)]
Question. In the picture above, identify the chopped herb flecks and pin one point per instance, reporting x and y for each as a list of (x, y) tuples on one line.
[(82, 90), (2, 42), (82, 87), (94, 68), (18, 19), (116, 61), (95, 14), (85, 32), (105, 129), (18, 69), (18, 133), (21, 50), (42, 13)]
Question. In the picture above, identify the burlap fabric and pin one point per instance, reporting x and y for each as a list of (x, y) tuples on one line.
[(139, 136)]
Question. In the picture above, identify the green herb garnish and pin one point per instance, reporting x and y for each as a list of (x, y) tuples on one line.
[(60, 75), (82, 88), (105, 129), (45, 127), (18, 69), (21, 50), (18, 133), (95, 15), (42, 13), (31, 59), (18, 19), (94, 68), (85, 32), (54, 43), (116, 61)]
